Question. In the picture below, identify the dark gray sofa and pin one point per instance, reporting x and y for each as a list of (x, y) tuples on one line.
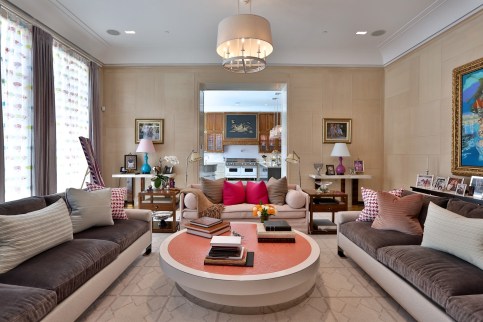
[(431, 285), (60, 283)]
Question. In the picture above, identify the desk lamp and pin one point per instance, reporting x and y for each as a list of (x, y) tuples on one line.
[(146, 146), (340, 150), (294, 158), (192, 157)]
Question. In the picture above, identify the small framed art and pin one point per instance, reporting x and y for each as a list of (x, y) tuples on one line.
[(358, 166), (424, 181), (440, 183), (330, 170), (477, 185), (149, 129), (460, 189), (130, 162), (453, 182), (337, 131)]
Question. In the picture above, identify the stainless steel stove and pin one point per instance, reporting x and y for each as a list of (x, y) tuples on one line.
[(240, 168)]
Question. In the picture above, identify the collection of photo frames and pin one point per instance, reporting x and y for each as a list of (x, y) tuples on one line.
[(452, 184), (357, 169)]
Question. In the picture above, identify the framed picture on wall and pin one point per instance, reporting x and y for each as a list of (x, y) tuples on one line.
[(467, 156), (149, 129), (337, 130), (241, 127)]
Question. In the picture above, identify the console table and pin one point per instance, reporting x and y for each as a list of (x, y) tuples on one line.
[(353, 177), (447, 195), (330, 201)]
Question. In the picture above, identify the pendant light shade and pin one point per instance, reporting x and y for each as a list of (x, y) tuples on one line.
[(244, 42)]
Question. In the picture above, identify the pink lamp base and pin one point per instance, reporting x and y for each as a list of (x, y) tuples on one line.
[(340, 170)]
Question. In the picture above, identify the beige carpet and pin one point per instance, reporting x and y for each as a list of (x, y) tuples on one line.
[(343, 292)]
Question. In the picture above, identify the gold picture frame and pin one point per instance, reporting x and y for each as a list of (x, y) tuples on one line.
[(467, 154), (149, 128), (337, 130)]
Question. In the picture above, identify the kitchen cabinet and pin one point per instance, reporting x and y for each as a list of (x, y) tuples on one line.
[(214, 132), (266, 123)]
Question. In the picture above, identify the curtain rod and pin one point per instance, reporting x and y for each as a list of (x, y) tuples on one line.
[(28, 18)]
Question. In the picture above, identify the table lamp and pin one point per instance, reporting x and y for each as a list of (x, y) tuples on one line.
[(340, 150), (192, 157), (146, 146), (294, 158)]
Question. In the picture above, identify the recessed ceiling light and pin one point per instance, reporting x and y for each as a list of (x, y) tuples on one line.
[(113, 32), (129, 32), (378, 33), (361, 32)]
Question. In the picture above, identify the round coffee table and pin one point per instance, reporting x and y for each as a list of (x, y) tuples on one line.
[(281, 274)]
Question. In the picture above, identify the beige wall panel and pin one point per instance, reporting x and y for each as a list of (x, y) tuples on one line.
[(460, 40), (426, 119), (367, 84), (430, 73), (337, 94)]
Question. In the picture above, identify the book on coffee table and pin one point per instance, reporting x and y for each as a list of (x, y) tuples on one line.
[(206, 221), (208, 234), (277, 225), (234, 241), (209, 230)]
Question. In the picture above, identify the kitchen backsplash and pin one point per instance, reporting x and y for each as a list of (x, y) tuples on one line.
[(235, 151)]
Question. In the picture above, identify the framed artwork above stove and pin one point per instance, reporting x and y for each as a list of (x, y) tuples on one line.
[(241, 127)]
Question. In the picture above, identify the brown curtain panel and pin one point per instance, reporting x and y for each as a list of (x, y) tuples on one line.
[(95, 115), (45, 164), (2, 155)]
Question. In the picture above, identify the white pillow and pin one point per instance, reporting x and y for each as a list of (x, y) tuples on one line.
[(454, 234), (190, 201), (295, 199), (89, 209), (24, 236)]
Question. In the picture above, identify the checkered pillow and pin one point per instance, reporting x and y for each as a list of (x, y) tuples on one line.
[(371, 207), (117, 200)]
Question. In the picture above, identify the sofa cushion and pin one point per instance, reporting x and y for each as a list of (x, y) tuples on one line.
[(437, 274), (295, 199), (22, 206), (213, 189), (190, 201), (26, 235), (277, 190), (467, 308), (123, 233), (370, 239), (65, 267), (440, 201), (118, 195), (454, 234), (20, 303), (400, 214), (89, 209), (371, 207), (463, 208), (233, 193), (256, 192)]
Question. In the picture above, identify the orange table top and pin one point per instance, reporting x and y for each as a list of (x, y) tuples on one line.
[(190, 250)]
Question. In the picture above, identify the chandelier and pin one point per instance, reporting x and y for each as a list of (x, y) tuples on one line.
[(276, 131), (244, 42)]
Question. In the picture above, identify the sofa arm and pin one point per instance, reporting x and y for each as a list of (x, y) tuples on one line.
[(307, 198), (346, 216), (139, 214)]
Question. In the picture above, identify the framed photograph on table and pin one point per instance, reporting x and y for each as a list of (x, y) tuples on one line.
[(460, 189), (424, 181), (477, 185), (337, 130), (467, 156), (440, 183), (130, 162), (358, 166), (330, 170), (453, 182), (149, 129)]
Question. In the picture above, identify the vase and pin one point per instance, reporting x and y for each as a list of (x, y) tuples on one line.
[(263, 218)]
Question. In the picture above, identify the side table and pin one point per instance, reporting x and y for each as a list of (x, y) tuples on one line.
[(331, 201), (164, 201)]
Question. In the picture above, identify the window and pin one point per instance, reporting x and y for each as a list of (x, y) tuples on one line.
[(17, 97), (71, 79)]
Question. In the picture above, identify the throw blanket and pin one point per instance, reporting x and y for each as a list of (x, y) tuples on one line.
[(205, 207)]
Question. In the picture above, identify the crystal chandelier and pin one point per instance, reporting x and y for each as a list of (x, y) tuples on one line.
[(244, 42), (276, 131)]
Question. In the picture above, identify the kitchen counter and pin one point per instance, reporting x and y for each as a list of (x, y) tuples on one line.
[(267, 170)]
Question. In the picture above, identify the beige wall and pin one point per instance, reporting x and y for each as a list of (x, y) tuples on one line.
[(418, 104), (171, 93)]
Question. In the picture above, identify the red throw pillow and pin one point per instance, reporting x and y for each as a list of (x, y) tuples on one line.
[(257, 192), (117, 199), (233, 193)]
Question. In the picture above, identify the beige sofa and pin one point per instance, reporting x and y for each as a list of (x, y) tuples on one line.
[(296, 217)]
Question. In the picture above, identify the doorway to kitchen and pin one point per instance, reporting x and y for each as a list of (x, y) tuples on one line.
[(243, 131)]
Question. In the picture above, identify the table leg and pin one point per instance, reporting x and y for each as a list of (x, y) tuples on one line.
[(342, 185), (355, 191)]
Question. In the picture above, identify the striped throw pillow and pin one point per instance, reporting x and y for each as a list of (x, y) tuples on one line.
[(371, 207), (399, 214), (24, 236), (213, 189)]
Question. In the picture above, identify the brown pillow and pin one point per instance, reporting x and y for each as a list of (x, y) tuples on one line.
[(400, 214), (213, 189), (277, 190)]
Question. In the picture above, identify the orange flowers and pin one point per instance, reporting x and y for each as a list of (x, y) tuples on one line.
[(262, 210)]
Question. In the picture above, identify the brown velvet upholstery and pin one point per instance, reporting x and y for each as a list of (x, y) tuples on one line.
[(19, 303), (439, 201), (468, 308), (81, 259), (370, 239), (22, 206), (436, 274), (123, 233), (466, 209)]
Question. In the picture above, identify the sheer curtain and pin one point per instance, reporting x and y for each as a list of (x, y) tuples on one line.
[(16, 73), (71, 79)]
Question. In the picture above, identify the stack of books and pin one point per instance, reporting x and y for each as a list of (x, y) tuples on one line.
[(226, 250), (275, 231), (207, 227)]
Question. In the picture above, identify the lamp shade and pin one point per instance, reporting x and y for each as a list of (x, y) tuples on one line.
[(293, 158), (194, 156), (146, 145), (340, 150)]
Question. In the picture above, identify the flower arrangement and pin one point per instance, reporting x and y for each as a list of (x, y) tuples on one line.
[(171, 160), (159, 179), (263, 211)]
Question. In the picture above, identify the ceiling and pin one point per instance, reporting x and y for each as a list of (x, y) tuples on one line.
[(305, 32)]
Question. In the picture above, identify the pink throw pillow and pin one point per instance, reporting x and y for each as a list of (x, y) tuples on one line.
[(233, 193), (117, 199), (257, 192), (371, 207)]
